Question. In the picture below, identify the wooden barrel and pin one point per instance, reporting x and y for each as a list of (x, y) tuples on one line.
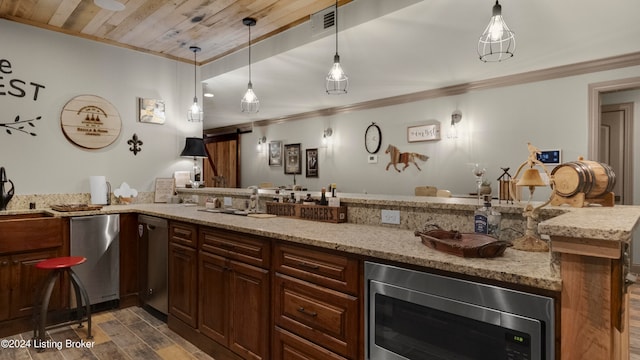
[(589, 177)]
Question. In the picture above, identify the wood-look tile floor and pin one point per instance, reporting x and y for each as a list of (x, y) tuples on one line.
[(133, 333), (127, 334)]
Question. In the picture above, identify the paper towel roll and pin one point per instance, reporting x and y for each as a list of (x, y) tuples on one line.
[(98, 186)]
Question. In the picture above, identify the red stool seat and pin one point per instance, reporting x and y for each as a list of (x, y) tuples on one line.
[(58, 267), (61, 262)]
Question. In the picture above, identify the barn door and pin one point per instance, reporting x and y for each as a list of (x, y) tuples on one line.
[(222, 167)]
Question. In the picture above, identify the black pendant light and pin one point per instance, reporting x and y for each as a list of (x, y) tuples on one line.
[(195, 113), (249, 102), (336, 80)]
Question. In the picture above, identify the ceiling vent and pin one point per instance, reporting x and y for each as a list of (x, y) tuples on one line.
[(323, 21)]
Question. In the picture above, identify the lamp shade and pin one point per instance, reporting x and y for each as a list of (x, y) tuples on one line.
[(194, 147)]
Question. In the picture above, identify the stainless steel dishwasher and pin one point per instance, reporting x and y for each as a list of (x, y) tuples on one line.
[(153, 234), (96, 237)]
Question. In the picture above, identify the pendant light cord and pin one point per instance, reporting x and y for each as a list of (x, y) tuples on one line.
[(336, 20), (195, 87), (249, 53)]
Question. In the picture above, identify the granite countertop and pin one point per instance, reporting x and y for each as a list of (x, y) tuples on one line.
[(402, 246)]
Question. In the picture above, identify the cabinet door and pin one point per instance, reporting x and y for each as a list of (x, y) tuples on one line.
[(213, 300), (28, 280), (183, 282), (5, 287), (250, 307)]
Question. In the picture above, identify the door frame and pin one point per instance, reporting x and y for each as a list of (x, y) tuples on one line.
[(593, 130), (627, 163)]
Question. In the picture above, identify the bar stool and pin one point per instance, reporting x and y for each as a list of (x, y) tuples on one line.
[(59, 266)]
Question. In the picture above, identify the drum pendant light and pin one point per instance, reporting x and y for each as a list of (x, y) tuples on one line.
[(336, 80), (497, 42), (250, 102), (195, 113)]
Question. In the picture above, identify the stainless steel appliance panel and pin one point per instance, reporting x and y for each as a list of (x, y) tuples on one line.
[(154, 234), (96, 237), (417, 315)]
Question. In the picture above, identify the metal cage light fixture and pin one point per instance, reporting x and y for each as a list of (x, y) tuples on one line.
[(497, 42), (195, 113), (249, 102), (336, 80)]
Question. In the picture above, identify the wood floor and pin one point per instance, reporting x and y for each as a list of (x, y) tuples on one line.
[(127, 334), (134, 334)]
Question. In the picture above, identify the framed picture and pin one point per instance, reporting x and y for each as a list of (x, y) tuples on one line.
[(312, 162), (151, 111), (423, 133), (292, 159), (165, 187), (275, 153)]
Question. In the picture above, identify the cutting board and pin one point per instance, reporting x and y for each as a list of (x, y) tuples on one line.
[(261, 216)]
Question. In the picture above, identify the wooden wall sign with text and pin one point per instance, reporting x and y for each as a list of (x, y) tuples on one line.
[(423, 133), (90, 121)]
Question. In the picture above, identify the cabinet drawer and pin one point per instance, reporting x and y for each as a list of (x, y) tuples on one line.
[(248, 249), (291, 347), (183, 233), (329, 269), (322, 316)]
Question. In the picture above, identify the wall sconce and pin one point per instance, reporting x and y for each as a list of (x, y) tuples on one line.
[(261, 141), (456, 117), (326, 134)]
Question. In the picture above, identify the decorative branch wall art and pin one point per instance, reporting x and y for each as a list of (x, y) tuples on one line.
[(406, 158), (17, 125)]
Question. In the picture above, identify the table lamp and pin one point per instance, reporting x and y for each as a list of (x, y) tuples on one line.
[(531, 178), (195, 147)]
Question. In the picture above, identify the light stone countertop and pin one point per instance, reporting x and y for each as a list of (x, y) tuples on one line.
[(399, 245)]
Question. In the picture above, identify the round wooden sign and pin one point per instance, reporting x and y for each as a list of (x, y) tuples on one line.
[(90, 121)]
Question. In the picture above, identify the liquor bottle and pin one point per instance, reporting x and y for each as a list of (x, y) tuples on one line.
[(323, 197), (481, 218), (493, 221)]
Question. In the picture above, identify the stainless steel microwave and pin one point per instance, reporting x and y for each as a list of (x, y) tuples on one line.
[(420, 316)]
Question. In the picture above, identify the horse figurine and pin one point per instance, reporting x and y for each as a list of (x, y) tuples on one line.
[(403, 157)]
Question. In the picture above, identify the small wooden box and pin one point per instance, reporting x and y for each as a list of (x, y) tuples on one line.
[(309, 212)]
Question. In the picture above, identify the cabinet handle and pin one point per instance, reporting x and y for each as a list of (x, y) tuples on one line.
[(4, 263), (306, 312), (308, 266)]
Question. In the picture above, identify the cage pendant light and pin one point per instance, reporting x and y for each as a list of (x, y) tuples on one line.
[(336, 81), (195, 113), (497, 42), (249, 102)]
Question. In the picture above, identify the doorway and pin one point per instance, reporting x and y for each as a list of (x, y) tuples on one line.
[(616, 142)]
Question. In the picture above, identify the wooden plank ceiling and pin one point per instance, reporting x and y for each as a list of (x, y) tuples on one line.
[(167, 27)]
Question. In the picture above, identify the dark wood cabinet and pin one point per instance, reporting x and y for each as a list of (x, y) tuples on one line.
[(27, 281), (291, 347), (25, 240), (183, 283), (234, 302), (316, 296), (183, 272)]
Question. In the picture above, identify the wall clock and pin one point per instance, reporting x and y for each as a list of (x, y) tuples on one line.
[(372, 138), (90, 121)]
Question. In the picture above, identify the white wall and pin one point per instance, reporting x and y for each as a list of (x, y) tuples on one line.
[(496, 126), (48, 163)]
